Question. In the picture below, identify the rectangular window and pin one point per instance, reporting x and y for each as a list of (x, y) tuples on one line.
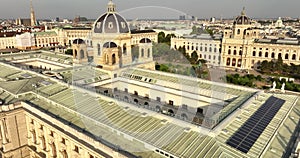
[(126, 90), (136, 93), (171, 102)]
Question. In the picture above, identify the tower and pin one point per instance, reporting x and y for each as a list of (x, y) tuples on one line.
[(145, 50), (32, 15), (241, 24), (80, 55), (111, 40)]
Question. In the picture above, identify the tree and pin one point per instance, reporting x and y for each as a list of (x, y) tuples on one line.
[(209, 31), (195, 30), (69, 52), (194, 57), (161, 37)]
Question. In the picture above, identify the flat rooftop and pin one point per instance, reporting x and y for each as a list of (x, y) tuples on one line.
[(146, 133)]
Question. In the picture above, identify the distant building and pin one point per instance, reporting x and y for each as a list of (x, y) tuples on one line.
[(182, 17), (279, 23), (244, 46), (24, 22), (206, 46)]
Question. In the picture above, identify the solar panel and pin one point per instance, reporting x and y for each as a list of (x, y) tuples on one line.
[(244, 138)]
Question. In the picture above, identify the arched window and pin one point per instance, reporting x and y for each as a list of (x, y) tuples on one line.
[(266, 54), (81, 54), (238, 31), (234, 52), (273, 55), (294, 57), (279, 55), (286, 56), (210, 49), (113, 59), (239, 62), (124, 49), (260, 54), (99, 49), (229, 51), (240, 52), (228, 62), (233, 62)]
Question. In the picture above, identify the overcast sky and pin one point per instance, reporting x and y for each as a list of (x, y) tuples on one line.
[(139, 9)]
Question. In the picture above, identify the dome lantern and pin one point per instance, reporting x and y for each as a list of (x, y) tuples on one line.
[(111, 7)]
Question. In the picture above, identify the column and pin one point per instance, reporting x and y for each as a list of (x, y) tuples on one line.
[(4, 139)]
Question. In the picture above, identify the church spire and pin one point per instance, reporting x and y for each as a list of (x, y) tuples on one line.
[(32, 15), (111, 7)]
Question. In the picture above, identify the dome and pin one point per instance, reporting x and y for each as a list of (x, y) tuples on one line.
[(242, 19), (78, 41), (111, 22)]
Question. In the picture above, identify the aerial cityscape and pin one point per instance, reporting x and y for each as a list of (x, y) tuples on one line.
[(149, 80)]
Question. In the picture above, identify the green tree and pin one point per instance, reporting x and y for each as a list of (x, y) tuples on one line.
[(69, 52), (194, 57), (161, 37)]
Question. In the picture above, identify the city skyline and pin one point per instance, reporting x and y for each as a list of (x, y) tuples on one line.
[(137, 9)]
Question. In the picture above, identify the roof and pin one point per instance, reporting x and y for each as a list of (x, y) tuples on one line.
[(278, 41), (242, 19), (45, 33), (144, 133), (9, 34), (142, 31), (111, 23)]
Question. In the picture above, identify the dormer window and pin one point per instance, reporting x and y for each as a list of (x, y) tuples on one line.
[(110, 25), (123, 25), (98, 25)]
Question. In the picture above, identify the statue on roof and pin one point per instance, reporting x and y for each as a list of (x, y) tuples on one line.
[(283, 88), (274, 86), (243, 11)]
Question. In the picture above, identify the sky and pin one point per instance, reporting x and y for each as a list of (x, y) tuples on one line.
[(158, 9)]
